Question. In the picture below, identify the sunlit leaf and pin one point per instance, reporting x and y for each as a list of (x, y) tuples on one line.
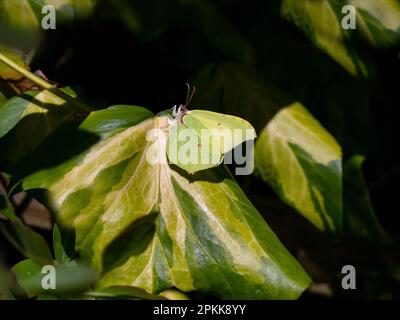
[(301, 161), (27, 119), (321, 21), (21, 26), (378, 21), (143, 223), (173, 294), (18, 57)]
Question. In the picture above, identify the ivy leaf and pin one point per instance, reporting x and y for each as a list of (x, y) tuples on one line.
[(20, 27), (24, 239), (61, 240), (28, 242), (27, 119), (123, 292), (360, 218), (321, 22), (5, 283), (70, 278), (378, 21), (301, 161), (17, 56), (173, 294), (7, 210), (146, 224), (28, 275)]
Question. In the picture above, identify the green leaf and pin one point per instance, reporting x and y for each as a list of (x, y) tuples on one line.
[(70, 279), (173, 294), (7, 210), (5, 292), (6, 72), (378, 21), (146, 224), (359, 215), (20, 27), (321, 20), (26, 120), (301, 161), (44, 296), (27, 241), (28, 275), (24, 239), (123, 292), (59, 241)]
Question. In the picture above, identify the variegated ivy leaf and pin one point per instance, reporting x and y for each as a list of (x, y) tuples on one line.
[(144, 223), (26, 120), (20, 27), (321, 21), (378, 21), (302, 162), (17, 56)]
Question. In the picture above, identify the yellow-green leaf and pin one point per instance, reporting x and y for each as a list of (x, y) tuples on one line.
[(146, 224), (27, 119), (302, 162), (321, 20), (378, 21)]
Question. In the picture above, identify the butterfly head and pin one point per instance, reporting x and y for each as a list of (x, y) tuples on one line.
[(177, 112)]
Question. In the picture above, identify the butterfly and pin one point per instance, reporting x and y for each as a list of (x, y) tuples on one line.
[(198, 139)]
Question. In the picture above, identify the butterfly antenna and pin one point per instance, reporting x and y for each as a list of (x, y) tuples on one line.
[(189, 94)]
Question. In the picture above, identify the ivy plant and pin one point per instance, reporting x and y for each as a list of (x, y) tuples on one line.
[(129, 227)]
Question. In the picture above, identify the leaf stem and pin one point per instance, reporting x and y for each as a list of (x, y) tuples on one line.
[(43, 83)]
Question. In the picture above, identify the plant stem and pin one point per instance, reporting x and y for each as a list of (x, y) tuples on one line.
[(43, 83)]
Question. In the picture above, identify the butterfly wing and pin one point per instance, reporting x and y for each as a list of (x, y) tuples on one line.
[(225, 131), (189, 151), (201, 139)]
